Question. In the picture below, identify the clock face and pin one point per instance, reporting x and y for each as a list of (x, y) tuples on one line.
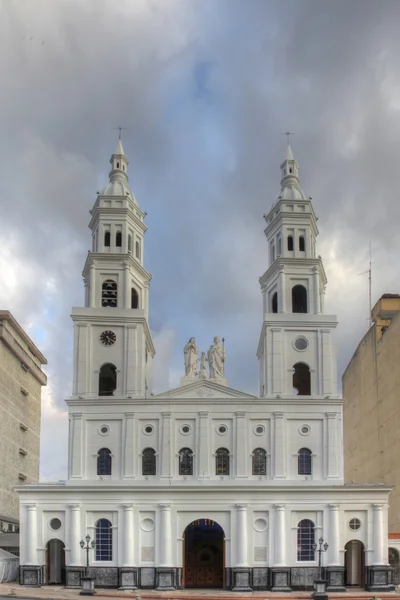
[(108, 338)]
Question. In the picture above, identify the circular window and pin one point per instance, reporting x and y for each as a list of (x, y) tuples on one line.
[(305, 429), (301, 344), (259, 429), (354, 524), (260, 524), (55, 524), (104, 429), (185, 429), (148, 429), (222, 429), (147, 524)]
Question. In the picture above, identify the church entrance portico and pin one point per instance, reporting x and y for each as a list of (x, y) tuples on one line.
[(203, 555)]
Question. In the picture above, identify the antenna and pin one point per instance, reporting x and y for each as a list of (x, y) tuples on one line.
[(369, 271)]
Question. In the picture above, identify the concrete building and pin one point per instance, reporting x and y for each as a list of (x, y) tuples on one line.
[(21, 381), (371, 385), (204, 485)]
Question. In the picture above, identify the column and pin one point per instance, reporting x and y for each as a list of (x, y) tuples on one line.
[(279, 446), (332, 446), (277, 383), (129, 453), (333, 540), (92, 285), (127, 287), (241, 450), (241, 536), (165, 536), (379, 546), (280, 535), (166, 443), (204, 445), (128, 558), (31, 535), (76, 450), (75, 557), (317, 309), (327, 371)]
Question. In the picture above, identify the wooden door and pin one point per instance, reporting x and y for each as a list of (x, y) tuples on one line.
[(204, 566)]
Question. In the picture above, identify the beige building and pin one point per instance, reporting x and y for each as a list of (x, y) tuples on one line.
[(371, 391), (21, 380)]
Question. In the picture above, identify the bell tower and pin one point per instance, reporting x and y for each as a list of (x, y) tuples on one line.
[(296, 349), (113, 349)]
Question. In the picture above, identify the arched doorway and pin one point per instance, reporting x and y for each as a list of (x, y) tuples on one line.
[(354, 563), (203, 555), (55, 555), (394, 562)]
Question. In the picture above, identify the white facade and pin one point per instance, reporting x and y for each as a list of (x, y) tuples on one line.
[(204, 466)]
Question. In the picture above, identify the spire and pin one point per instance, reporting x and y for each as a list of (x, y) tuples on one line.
[(120, 149), (119, 163), (289, 153), (289, 168)]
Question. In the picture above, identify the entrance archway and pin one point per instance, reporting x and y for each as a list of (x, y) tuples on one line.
[(354, 563), (203, 555), (55, 554)]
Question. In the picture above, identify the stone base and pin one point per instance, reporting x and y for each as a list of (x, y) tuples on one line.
[(260, 578), (279, 579), (241, 579), (379, 578), (128, 578), (334, 577), (31, 575), (166, 578), (73, 577)]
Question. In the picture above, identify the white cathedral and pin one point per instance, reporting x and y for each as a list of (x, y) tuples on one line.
[(203, 485)]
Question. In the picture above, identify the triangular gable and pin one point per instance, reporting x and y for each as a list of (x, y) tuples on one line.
[(203, 388)]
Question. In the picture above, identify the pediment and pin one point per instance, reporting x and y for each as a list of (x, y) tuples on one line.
[(203, 389)]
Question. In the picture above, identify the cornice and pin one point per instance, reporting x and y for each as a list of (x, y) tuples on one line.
[(320, 321), (287, 264), (309, 217), (113, 257), (117, 211)]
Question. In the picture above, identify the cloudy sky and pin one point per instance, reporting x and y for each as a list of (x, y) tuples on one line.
[(205, 89)]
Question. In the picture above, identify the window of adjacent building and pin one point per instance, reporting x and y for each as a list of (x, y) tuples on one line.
[(304, 463), (134, 298), (259, 462), (107, 379), (299, 299), (305, 540), (148, 461), (104, 462), (185, 461), (302, 379), (103, 540), (107, 238), (109, 293), (222, 461)]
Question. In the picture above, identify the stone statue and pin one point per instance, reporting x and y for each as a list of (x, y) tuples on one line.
[(190, 353), (216, 359), (203, 368)]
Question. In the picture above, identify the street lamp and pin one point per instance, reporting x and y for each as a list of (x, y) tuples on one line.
[(320, 584), (87, 582)]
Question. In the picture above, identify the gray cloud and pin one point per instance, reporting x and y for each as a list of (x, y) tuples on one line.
[(206, 89)]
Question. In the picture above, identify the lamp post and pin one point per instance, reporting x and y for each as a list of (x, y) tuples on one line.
[(87, 582), (320, 583)]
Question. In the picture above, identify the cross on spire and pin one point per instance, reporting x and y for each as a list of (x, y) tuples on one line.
[(288, 134), (120, 129)]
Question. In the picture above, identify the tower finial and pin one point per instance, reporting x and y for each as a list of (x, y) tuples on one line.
[(120, 130)]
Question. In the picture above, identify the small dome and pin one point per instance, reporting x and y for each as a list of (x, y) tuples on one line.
[(118, 188), (290, 192)]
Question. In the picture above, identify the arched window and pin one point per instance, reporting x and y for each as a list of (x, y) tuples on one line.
[(259, 462), (107, 380), (129, 243), (395, 564), (290, 243), (222, 461), (103, 540), (305, 540), (109, 293), (107, 238), (118, 239), (104, 462), (185, 461), (275, 302), (302, 379), (299, 299), (148, 461), (304, 466), (134, 298), (302, 244), (117, 165), (137, 249)]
